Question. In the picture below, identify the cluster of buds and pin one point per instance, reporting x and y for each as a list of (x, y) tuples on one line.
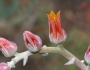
[(34, 43), (56, 33)]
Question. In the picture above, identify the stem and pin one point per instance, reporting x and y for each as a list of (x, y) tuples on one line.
[(61, 50), (18, 57), (88, 67)]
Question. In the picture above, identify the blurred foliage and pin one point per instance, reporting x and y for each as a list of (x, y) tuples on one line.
[(77, 42), (11, 11), (8, 7)]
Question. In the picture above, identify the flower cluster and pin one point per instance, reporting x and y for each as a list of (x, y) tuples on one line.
[(33, 42)]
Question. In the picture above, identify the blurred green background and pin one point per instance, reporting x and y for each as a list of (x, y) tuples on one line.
[(16, 16)]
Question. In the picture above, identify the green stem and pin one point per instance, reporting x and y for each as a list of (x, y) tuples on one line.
[(61, 50), (88, 67)]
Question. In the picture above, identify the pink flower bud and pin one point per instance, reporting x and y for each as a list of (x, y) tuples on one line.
[(87, 55), (4, 66), (56, 32), (32, 41), (8, 48)]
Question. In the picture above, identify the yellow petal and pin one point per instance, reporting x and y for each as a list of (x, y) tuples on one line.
[(52, 14)]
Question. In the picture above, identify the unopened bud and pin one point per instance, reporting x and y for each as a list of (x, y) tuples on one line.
[(7, 47)]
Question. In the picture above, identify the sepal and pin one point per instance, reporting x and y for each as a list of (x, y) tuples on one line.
[(70, 62)]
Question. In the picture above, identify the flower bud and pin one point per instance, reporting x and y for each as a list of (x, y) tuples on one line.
[(32, 41), (87, 55), (4, 66), (56, 32), (8, 48)]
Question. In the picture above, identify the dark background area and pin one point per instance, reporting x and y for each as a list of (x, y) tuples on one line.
[(16, 16)]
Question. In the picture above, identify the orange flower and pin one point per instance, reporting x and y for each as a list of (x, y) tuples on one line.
[(56, 32)]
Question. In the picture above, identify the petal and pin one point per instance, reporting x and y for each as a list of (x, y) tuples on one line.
[(52, 14), (58, 14)]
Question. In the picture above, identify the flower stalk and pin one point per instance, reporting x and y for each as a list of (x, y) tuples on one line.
[(34, 45), (18, 57), (88, 67), (61, 50)]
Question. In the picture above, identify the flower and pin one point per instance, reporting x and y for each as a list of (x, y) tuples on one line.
[(32, 41), (56, 32), (4, 66), (7, 47), (87, 55)]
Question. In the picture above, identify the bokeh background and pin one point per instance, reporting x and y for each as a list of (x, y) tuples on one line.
[(16, 16)]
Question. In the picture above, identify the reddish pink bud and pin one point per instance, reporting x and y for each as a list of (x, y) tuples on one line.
[(87, 55), (8, 48), (56, 32), (4, 66), (32, 41), (83, 5)]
